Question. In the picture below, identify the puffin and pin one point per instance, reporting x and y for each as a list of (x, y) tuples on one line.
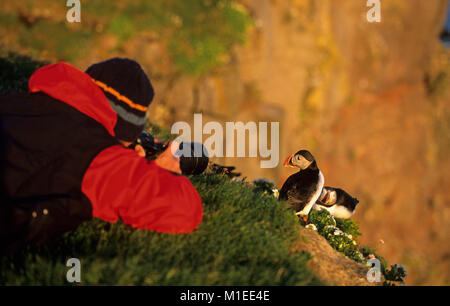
[(302, 189), (338, 202)]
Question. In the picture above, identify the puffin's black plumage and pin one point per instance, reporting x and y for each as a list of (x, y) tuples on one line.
[(299, 188), (303, 188), (338, 202)]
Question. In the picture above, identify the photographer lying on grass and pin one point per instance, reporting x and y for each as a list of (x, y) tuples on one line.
[(64, 157)]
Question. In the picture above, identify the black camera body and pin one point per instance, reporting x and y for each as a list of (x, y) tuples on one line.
[(193, 156), (152, 149)]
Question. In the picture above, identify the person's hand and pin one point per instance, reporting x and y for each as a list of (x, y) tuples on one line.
[(139, 150), (167, 160)]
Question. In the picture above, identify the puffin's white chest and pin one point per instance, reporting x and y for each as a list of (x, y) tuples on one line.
[(339, 211)]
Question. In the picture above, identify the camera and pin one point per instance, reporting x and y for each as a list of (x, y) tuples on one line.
[(193, 156)]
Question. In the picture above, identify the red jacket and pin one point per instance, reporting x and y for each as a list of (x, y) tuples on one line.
[(67, 128)]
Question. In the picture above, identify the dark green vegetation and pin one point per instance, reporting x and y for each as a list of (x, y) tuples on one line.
[(340, 233), (15, 71), (245, 239)]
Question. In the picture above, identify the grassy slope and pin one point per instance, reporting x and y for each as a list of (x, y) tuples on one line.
[(245, 238)]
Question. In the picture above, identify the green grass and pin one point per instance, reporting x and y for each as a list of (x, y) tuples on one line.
[(245, 238)]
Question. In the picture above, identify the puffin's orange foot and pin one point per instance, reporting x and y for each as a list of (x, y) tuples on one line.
[(303, 219)]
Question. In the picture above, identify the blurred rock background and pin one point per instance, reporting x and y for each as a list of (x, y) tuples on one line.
[(369, 100)]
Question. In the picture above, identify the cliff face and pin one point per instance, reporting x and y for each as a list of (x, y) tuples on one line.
[(369, 100), (330, 266)]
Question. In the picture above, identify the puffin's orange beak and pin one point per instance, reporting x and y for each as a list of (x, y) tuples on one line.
[(288, 162)]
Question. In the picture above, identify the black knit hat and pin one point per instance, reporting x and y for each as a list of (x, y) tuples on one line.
[(129, 92)]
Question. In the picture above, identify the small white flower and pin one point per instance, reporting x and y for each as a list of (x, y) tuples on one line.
[(338, 232), (311, 226), (349, 236), (276, 193)]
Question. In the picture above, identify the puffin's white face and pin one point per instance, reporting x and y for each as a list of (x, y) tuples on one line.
[(301, 162), (297, 161)]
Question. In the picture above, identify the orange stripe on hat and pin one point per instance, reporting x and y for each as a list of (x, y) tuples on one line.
[(120, 97)]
